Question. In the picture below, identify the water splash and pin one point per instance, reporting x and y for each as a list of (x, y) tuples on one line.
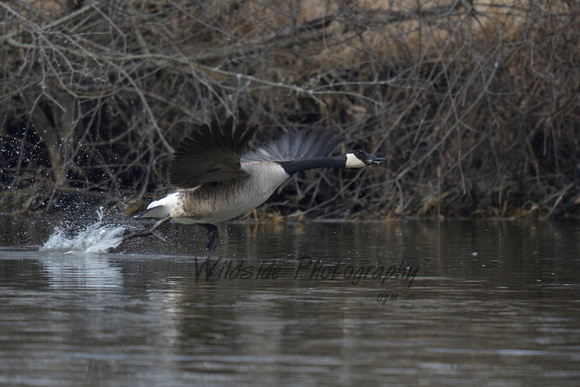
[(95, 238)]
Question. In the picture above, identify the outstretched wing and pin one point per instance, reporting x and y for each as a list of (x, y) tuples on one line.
[(211, 154), (294, 146)]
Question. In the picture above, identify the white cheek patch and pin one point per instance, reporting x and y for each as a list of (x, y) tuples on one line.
[(353, 162)]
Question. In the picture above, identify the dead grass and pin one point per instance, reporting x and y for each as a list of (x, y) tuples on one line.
[(476, 108)]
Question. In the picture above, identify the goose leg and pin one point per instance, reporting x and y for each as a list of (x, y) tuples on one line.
[(148, 232), (213, 235)]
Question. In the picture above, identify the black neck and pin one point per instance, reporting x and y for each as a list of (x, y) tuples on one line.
[(292, 167)]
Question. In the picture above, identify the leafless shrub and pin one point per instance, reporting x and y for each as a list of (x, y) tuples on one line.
[(475, 105)]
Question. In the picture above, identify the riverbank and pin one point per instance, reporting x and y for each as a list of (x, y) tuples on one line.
[(475, 110)]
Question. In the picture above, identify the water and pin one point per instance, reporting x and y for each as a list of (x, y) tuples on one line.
[(94, 238), (413, 303)]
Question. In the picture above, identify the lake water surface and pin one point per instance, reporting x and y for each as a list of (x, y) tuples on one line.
[(399, 303)]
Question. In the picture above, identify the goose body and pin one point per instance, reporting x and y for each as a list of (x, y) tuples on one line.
[(223, 200), (218, 181)]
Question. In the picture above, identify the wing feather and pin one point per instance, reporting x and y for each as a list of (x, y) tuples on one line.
[(211, 154), (294, 146)]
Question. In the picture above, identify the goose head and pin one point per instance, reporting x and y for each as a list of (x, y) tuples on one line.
[(359, 158)]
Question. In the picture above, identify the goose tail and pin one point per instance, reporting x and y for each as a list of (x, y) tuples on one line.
[(162, 207)]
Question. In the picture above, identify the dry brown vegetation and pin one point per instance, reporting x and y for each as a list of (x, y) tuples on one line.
[(475, 104)]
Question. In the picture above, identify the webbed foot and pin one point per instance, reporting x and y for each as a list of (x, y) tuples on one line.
[(145, 232)]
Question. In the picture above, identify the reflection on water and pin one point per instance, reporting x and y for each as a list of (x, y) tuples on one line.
[(322, 303)]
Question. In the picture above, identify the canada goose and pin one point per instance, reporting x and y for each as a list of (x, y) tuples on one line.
[(217, 181)]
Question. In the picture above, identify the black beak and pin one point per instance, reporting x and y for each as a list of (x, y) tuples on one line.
[(375, 160)]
